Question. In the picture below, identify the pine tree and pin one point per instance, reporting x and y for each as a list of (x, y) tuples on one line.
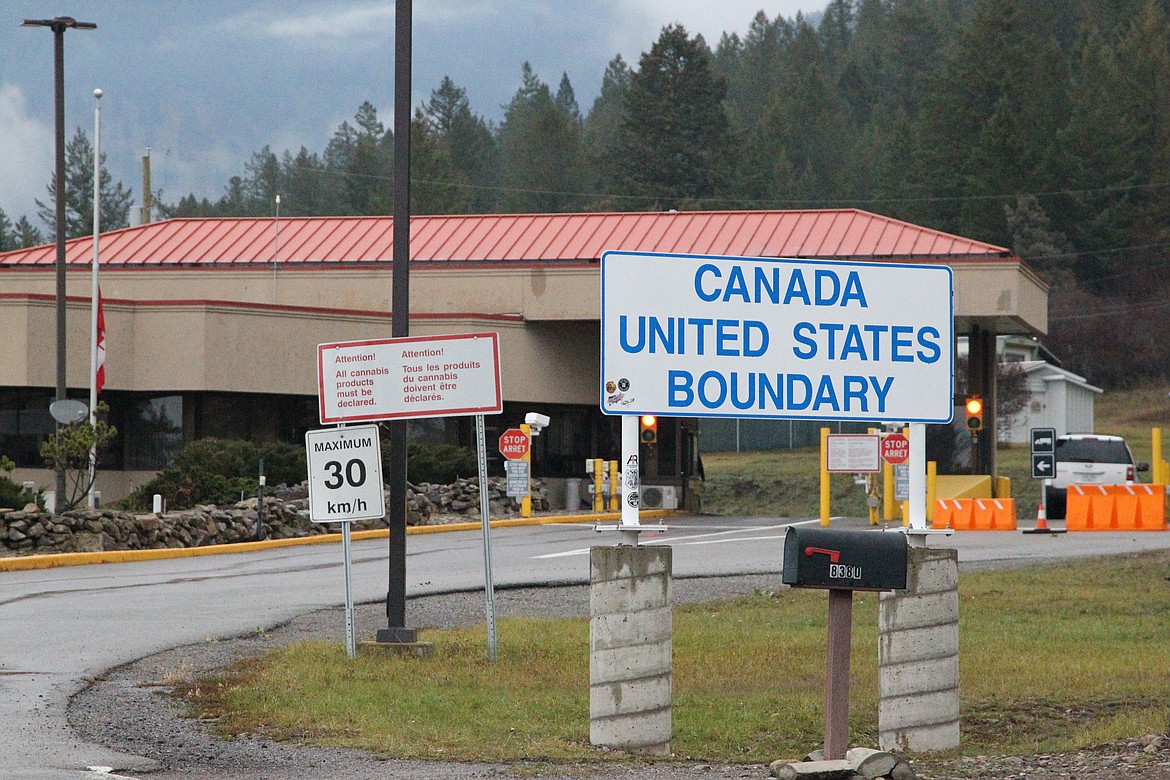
[(601, 127), (540, 148), (675, 142), (7, 235), (27, 234), (467, 143), (436, 186), (990, 117), (362, 160), (115, 199), (310, 190)]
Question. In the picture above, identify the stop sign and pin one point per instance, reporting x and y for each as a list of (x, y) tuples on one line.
[(895, 449), (513, 444)]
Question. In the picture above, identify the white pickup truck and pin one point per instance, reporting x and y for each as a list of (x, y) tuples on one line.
[(1088, 459)]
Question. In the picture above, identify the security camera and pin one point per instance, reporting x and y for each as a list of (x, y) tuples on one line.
[(537, 422)]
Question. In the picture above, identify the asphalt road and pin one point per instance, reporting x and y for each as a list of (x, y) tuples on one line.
[(60, 626)]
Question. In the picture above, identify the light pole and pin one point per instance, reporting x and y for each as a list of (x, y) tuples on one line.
[(59, 25), (95, 294)]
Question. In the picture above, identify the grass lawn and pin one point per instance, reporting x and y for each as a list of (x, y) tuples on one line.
[(1052, 658)]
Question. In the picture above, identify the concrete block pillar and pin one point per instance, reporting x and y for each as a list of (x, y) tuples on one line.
[(630, 648), (918, 656)]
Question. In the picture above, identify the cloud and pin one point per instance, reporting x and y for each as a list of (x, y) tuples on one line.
[(26, 147), (343, 23)]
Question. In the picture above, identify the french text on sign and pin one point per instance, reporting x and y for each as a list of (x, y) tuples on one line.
[(895, 449), (768, 337), (514, 444), (402, 378)]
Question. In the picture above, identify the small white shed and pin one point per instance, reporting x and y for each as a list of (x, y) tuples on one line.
[(1056, 399)]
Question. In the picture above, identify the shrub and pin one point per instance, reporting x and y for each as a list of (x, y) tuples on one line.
[(217, 471), (12, 495), (439, 464)]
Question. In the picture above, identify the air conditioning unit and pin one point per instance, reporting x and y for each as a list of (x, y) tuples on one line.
[(659, 497)]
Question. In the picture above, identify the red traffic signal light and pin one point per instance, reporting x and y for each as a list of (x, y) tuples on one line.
[(974, 408), (649, 429)]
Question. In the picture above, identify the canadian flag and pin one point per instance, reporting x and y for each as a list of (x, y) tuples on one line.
[(100, 374)]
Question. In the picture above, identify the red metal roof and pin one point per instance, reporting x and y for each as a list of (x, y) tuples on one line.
[(517, 238)]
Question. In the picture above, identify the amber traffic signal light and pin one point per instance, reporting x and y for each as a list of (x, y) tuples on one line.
[(649, 429), (974, 407)]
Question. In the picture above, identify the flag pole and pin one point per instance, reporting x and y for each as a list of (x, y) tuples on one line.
[(94, 295)]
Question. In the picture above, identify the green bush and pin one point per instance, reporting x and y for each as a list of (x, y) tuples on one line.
[(12, 495), (439, 464), (217, 471)]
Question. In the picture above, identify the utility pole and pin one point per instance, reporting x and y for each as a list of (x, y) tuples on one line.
[(396, 632)]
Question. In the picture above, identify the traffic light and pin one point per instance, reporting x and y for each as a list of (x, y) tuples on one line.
[(649, 429), (974, 408)]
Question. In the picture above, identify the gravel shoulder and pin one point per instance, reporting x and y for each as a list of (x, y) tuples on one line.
[(127, 710)]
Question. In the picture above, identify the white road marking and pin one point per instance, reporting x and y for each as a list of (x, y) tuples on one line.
[(704, 539), (108, 771)]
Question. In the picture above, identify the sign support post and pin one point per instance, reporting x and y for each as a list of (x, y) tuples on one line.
[(347, 557), (918, 521), (399, 379), (631, 481), (345, 484), (486, 520)]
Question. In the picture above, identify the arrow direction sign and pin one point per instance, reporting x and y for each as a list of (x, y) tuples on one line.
[(1043, 465)]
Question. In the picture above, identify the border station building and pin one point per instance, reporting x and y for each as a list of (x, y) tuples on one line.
[(212, 324)]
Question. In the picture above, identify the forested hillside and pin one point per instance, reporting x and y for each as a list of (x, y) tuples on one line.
[(1037, 124)]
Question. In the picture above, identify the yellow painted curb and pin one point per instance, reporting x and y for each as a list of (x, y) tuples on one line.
[(54, 560)]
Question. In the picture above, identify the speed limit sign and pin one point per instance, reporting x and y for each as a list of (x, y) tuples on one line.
[(345, 474)]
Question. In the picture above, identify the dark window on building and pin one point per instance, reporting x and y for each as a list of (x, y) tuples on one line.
[(24, 423), (153, 432)]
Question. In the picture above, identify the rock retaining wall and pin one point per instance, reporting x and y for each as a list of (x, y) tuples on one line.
[(31, 531)]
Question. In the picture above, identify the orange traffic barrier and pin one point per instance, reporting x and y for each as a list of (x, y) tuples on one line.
[(1115, 508), (975, 514)]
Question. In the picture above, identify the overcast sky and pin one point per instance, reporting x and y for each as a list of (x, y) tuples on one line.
[(204, 84)]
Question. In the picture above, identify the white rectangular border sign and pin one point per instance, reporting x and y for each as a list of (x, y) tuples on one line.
[(698, 336), (852, 453), (429, 376), (345, 474)]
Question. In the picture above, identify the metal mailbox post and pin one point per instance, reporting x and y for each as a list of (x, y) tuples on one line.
[(842, 562)]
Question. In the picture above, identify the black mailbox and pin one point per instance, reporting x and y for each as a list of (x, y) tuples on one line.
[(844, 560)]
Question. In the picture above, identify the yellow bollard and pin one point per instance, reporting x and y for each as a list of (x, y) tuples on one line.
[(615, 487), (598, 485), (889, 512), (931, 490), (1157, 476), (825, 484), (526, 501), (871, 489)]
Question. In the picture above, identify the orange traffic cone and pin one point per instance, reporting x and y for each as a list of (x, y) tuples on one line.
[(1042, 523)]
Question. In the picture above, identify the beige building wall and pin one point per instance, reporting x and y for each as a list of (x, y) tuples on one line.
[(218, 329)]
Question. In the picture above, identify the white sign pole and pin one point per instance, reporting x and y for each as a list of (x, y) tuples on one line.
[(485, 518), (346, 562), (918, 479), (347, 557), (631, 480), (345, 484)]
